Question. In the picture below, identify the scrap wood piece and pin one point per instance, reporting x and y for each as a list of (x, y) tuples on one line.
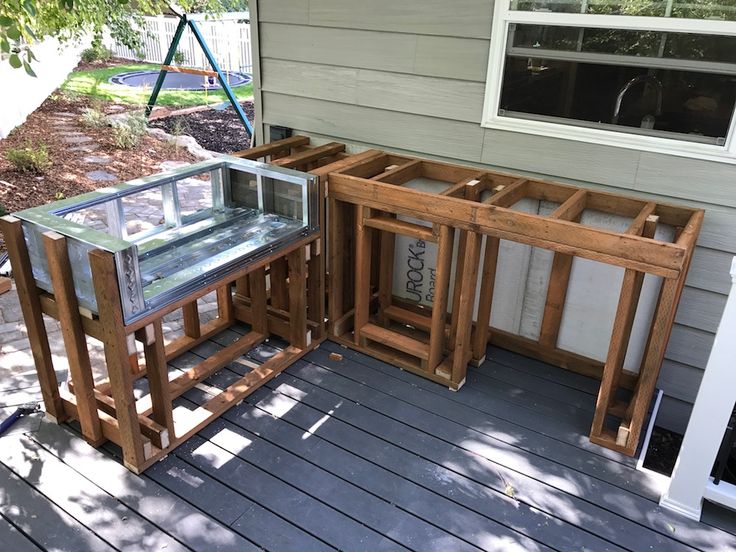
[(5, 284), (335, 356)]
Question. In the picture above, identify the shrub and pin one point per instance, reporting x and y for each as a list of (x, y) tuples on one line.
[(97, 52), (3, 210), (30, 159), (179, 58), (93, 117), (127, 134)]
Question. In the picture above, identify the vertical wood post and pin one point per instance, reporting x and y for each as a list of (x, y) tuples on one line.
[(60, 270), (441, 291), (158, 381), (336, 247), (386, 250), (258, 300), (363, 235), (107, 292), (485, 302), (459, 270), (559, 279), (298, 298), (31, 307), (316, 286), (225, 309), (190, 313), (619, 344), (277, 278), (468, 282)]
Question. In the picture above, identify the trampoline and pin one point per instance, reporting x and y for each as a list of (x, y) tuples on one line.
[(178, 81)]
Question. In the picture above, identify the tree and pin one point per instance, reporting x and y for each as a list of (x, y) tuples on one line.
[(24, 22)]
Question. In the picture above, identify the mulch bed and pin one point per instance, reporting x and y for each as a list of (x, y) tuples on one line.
[(220, 131), (67, 174)]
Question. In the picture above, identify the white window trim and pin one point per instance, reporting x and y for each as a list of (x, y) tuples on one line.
[(503, 17)]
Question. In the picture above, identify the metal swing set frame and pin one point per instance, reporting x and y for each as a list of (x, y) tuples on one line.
[(190, 20)]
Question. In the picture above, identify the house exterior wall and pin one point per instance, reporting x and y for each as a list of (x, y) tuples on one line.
[(410, 77)]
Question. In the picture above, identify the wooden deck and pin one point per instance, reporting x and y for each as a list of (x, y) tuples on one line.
[(353, 454)]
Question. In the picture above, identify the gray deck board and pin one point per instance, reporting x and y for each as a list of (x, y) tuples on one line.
[(117, 524), (433, 453), (240, 513), (476, 475), (301, 509), (14, 540), (403, 494), (45, 522), (192, 528), (353, 454)]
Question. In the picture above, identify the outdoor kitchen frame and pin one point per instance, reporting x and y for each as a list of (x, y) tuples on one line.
[(363, 205), (369, 205)]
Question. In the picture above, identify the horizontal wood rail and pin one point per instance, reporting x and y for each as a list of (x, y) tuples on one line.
[(189, 71), (396, 226)]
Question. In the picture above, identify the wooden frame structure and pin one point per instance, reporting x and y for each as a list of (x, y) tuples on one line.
[(372, 196), (367, 200), (149, 427)]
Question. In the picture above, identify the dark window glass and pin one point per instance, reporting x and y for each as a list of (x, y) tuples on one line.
[(675, 85)]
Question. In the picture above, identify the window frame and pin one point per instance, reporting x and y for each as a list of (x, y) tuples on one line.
[(503, 17)]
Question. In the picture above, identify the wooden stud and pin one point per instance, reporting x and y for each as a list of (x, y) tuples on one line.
[(441, 290), (242, 287), (316, 287), (298, 298), (460, 262), (225, 304), (467, 283), (293, 161), (107, 292), (75, 343), (387, 250), (277, 276), (258, 300), (619, 343), (275, 147), (485, 302), (335, 263), (192, 327), (30, 305), (363, 235), (158, 379), (559, 279), (389, 223), (509, 195)]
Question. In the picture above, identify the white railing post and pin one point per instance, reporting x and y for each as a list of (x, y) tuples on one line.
[(711, 412)]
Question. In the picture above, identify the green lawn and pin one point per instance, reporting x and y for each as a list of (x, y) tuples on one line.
[(96, 84)]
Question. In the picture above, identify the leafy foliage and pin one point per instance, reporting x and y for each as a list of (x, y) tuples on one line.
[(31, 159), (24, 22), (93, 118), (128, 133), (96, 52)]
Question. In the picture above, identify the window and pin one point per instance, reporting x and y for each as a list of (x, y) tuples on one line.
[(656, 75)]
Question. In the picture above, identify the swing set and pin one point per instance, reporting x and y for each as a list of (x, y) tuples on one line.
[(190, 20)]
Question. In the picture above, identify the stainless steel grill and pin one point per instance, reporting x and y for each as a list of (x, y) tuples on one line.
[(175, 232)]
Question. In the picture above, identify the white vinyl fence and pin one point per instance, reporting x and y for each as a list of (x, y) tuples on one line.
[(229, 41)]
